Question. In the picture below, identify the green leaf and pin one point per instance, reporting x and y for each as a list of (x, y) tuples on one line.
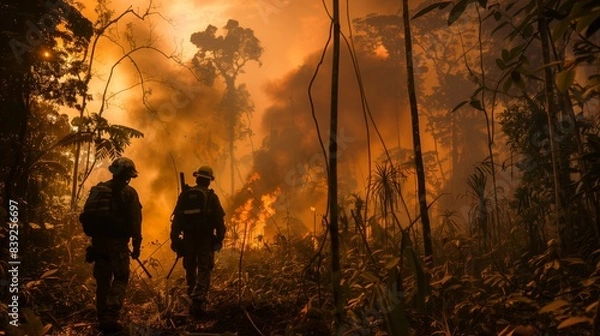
[(369, 277), (560, 29), (585, 22), (528, 30), (574, 320), (438, 5), (506, 86), (457, 11), (589, 282), (392, 263), (505, 55), (500, 63), (476, 104), (442, 281), (500, 26), (75, 138), (48, 273), (461, 104), (497, 16), (593, 27), (554, 306), (482, 3), (564, 80), (531, 6), (516, 50), (524, 60), (515, 76), (573, 261)]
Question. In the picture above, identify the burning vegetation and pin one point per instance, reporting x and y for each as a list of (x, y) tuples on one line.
[(383, 169)]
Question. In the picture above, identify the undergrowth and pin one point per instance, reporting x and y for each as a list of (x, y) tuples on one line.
[(284, 289)]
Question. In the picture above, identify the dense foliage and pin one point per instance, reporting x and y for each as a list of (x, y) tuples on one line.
[(516, 252)]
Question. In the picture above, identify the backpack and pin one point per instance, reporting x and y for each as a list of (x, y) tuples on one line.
[(194, 211), (101, 211)]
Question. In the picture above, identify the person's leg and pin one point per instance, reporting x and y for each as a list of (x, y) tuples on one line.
[(111, 271), (103, 276), (206, 262), (118, 289), (190, 264)]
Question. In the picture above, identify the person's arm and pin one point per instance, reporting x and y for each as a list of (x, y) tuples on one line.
[(177, 229), (135, 216), (219, 220)]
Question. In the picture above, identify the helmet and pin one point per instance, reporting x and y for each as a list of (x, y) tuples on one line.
[(123, 165), (205, 172)]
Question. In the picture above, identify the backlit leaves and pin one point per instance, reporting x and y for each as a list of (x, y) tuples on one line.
[(457, 11), (564, 80), (571, 321), (554, 306), (439, 5)]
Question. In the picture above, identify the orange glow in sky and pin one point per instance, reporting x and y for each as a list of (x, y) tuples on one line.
[(289, 32)]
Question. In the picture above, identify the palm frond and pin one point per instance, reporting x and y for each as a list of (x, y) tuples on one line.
[(105, 149), (124, 131), (76, 138)]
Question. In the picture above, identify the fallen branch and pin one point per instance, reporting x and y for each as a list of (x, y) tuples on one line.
[(251, 321)]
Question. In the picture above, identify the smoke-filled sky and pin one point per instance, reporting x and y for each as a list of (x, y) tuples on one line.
[(283, 154)]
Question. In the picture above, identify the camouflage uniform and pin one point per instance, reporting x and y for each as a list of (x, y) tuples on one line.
[(198, 243), (111, 254)]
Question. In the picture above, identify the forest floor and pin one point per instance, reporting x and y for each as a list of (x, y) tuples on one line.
[(62, 302), (217, 320), (285, 290)]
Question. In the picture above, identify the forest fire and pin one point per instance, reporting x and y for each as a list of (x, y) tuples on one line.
[(249, 223), (461, 192)]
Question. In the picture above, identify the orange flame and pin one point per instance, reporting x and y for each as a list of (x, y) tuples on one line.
[(252, 218)]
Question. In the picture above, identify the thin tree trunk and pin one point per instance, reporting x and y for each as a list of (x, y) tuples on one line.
[(241, 263), (549, 95), (489, 123), (230, 105), (232, 157), (412, 96), (75, 176), (333, 208)]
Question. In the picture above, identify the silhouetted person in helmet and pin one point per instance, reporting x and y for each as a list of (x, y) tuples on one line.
[(110, 245), (197, 231)]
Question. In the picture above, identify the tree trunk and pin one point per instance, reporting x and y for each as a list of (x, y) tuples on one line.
[(333, 208), (412, 96), (230, 105), (75, 176), (550, 113), (232, 157)]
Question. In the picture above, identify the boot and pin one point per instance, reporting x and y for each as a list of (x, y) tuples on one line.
[(108, 321), (197, 309), (109, 325)]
